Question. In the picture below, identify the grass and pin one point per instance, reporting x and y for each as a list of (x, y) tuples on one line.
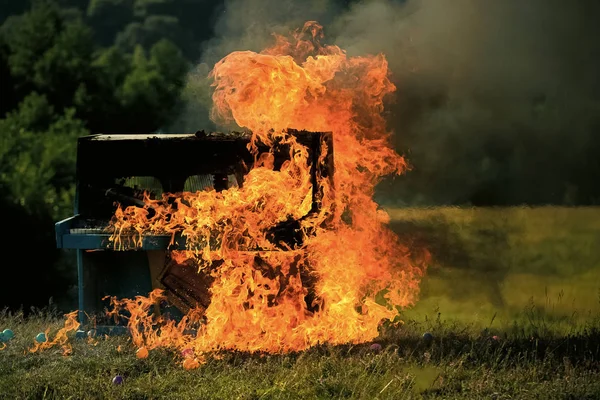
[(459, 363), (501, 261), (527, 276)]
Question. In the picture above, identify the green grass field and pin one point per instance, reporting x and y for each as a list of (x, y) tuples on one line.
[(503, 261), (528, 276)]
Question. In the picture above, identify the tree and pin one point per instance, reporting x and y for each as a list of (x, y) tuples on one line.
[(54, 54), (37, 170), (145, 8), (8, 99), (108, 17), (58, 84), (147, 33), (154, 83), (49, 53)]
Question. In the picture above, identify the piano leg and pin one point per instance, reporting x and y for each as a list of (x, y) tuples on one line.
[(80, 288)]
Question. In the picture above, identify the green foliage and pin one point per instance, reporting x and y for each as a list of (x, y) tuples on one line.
[(154, 82), (30, 35), (140, 86), (140, 91), (49, 53), (144, 8), (167, 59), (37, 157), (37, 172), (129, 23), (104, 8), (54, 54), (63, 78), (150, 31), (108, 17), (114, 64)]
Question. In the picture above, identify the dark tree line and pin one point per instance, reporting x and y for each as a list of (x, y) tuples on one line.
[(67, 69)]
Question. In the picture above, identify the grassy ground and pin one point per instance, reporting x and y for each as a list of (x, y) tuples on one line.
[(527, 276), (503, 262)]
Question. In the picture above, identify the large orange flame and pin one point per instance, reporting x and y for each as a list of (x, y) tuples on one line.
[(362, 274)]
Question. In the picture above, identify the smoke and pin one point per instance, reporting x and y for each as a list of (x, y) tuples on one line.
[(497, 101)]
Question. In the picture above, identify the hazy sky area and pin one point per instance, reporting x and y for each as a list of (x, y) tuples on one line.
[(494, 99)]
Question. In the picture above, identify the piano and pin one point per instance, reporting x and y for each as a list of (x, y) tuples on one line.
[(117, 169)]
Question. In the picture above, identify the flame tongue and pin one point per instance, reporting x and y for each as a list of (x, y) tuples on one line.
[(268, 307), (61, 338)]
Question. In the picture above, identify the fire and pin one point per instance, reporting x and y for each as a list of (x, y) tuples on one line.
[(62, 336), (350, 273)]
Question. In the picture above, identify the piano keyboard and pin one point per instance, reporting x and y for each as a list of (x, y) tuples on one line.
[(88, 231)]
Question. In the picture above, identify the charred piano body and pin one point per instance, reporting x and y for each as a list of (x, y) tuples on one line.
[(117, 169)]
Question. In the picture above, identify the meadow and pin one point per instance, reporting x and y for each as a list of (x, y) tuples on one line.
[(512, 300), (506, 262)]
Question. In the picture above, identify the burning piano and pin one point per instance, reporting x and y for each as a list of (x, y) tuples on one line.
[(126, 170)]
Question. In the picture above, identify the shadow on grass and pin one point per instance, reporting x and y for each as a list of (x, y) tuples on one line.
[(473, 258), (464, 358), (485, 350)]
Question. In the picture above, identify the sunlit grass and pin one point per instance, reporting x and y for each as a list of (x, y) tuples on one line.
[(500, 261)]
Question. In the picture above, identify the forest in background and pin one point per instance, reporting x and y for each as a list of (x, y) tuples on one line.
[(474, 135), (68, 69)]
